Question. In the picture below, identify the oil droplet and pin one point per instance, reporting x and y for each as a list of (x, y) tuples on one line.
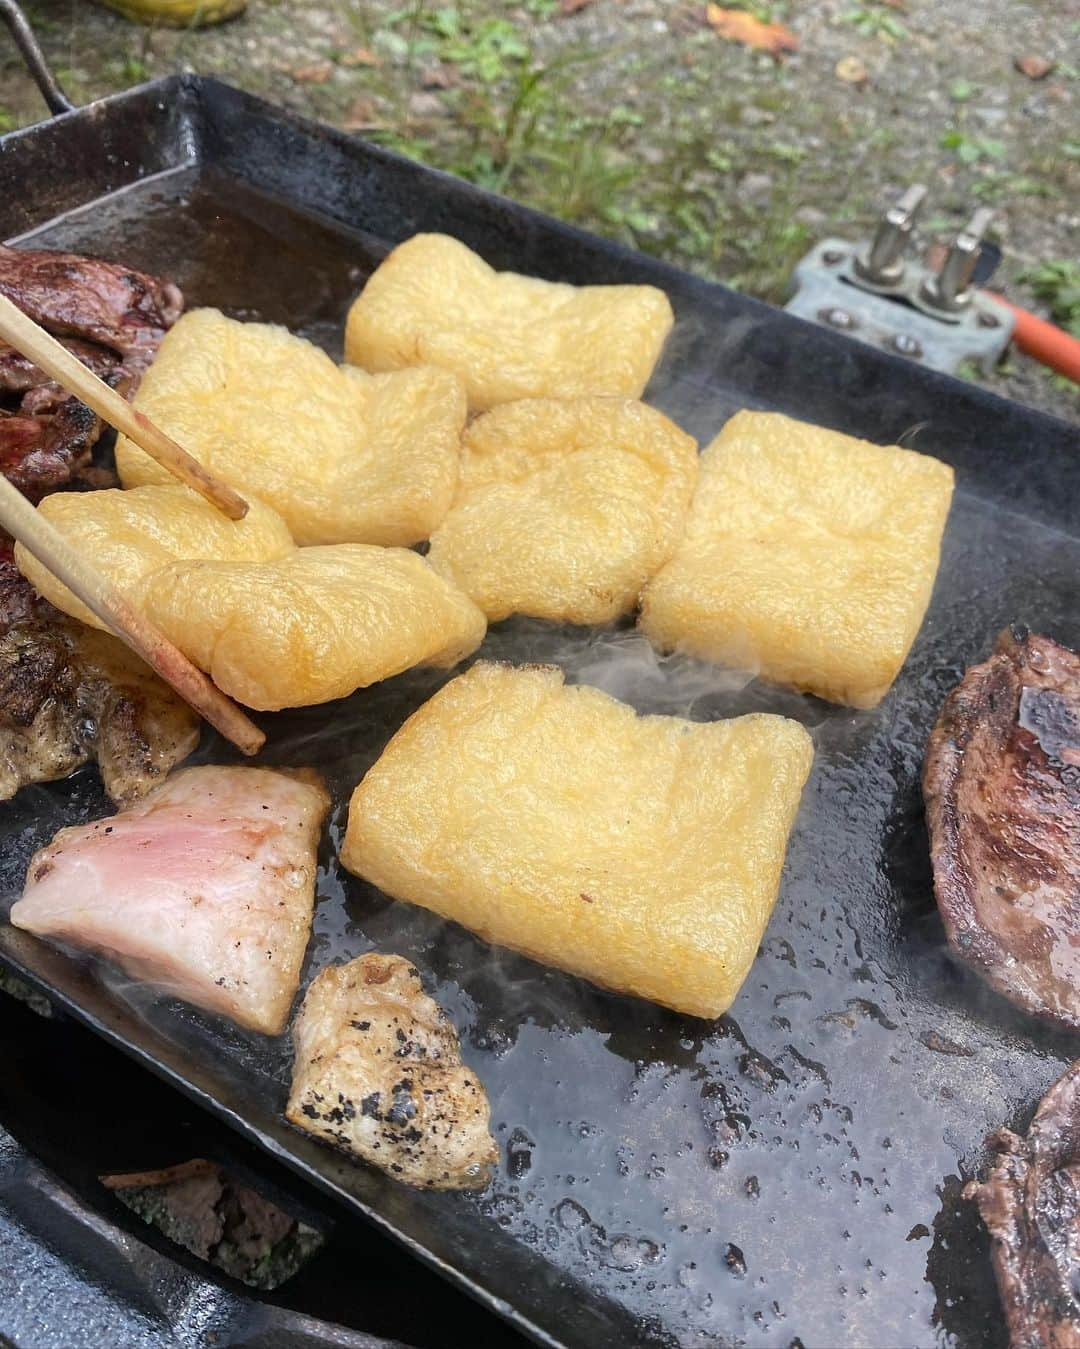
[(571, 1216), (625, 1254)]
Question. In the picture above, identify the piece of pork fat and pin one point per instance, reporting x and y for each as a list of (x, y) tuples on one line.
[(205, 888), (378, 1073), (1002, 789), (1030, 1202)]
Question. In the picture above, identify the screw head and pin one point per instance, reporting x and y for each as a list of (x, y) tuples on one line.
[(832, 256), (905, 344), (988, 320), (837, 318)]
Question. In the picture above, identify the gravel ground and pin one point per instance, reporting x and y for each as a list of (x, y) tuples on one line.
[(634, 118)]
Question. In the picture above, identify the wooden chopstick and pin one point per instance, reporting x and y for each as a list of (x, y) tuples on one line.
[(22, 333), (49, 546)]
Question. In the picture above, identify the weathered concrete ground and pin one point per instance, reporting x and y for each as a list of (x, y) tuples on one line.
[(633, 118)]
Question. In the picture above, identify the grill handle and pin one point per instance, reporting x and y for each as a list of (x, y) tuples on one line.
[(34, 57)]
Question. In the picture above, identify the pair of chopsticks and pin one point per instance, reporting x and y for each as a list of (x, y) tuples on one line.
[(52, 549)]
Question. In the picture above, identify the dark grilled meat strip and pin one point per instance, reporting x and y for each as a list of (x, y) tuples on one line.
[(70, 694), (40, 454), (18, 598), (101, 302), (1030, 1202), (19, 375), (113, 318), (1002, 788)]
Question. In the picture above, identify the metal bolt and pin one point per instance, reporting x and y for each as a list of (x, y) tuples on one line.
[(882, 264), (987, 320), (905, 344), (837, 318), (832, 256)]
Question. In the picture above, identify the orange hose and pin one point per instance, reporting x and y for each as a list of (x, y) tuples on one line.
[(1050, 345)]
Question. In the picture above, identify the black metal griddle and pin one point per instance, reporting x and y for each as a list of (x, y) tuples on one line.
[(791, 1173)]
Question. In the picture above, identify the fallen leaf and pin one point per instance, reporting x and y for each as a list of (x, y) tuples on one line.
[(360, 56), (851, 70), (572, 6), (317, 73), (1034, 67), (738, 26)]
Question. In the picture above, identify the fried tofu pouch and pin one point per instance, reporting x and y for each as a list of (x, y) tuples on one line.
[(643, 853), (314, 625), (341, 455), (809, 556), (566, 507), (435, 302), (130, 535)]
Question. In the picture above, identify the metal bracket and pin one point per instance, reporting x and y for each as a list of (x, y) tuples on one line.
[(896, 316)]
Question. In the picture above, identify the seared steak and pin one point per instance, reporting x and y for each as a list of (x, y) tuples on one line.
[(111, 317), (19, 375), (69, 694), (102, 302), (40, 454), (1002, 789), (1030, 1202)]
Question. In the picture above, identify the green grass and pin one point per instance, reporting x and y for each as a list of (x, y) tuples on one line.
[(872, 21), (972, 149), (1057, 284)]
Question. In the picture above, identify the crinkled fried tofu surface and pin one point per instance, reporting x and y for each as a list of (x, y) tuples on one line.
[(566, 507), (129, 535), (314, 625), (435, 302), (378, 1073), (204, 888), (643, 853), (809, 556), (341, 455)]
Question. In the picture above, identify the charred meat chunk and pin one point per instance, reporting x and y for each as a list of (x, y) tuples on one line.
[(1030, 1202), (111, 317), (1002, 789), (378, 1073), (18, 598), (41, 453), (101, 302), (70, 694), (19, 375)]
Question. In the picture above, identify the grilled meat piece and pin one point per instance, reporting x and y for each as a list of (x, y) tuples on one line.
[(19, 375), (111, 317), (205, 888), (1030, 1202), (39, 454), (101, 302), (18, 598), (1002, 789), (70, 694), (378, 1072)]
